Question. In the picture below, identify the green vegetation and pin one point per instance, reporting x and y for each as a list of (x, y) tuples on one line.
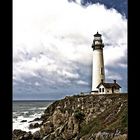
[(90, 128), (79, 115), (94, 113), (109, 121), (121, 122)]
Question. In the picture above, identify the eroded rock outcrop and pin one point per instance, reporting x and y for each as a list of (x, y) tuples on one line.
[(85, 117)]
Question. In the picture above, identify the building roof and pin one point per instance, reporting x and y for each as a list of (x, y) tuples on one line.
[(97, 35), (109, 85)]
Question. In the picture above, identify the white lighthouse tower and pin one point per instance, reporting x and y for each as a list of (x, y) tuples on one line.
[(98, 73)]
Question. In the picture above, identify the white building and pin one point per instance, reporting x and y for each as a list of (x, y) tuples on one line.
[(108, 88)]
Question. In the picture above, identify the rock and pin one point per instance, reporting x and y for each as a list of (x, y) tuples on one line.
[(99, 136), (28, 136), (58, 118), (60, 130), (89, 117), (21, 138), (18, 134), (47, 128), (36, 119), (36, 135), (21, 135), (24, 121), (96, 118), (50, 137), (46, 137), (120, 137), (67, 135), (110, 136), (34, 125)]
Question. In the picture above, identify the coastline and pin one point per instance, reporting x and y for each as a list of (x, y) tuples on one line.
[(71, 117)]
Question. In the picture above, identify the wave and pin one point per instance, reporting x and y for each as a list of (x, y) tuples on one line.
[(42, 108), (18, 124), (25, 112), (22, 120)]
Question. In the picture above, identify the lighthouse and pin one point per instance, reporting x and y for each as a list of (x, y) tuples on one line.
[(98, 73)]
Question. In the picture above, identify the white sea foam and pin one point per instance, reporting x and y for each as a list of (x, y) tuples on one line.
[(17, 124), (42, 108), (33, 108), (24, 126), (24, 112)]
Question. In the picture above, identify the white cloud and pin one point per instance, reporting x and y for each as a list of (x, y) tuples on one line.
[(55, 37), (112, 75), (37, 84), (80, 82)]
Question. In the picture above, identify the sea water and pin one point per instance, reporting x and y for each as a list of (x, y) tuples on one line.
[(27, 111)]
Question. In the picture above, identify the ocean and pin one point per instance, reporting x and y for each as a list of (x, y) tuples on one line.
[(26, 111)]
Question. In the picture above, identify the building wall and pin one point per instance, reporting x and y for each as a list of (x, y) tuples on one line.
[(116, 91), (98, 68), (107, 90), (101, 91)]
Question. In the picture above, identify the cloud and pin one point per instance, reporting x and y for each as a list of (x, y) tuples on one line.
[(52, 44), (82, 82), (112, 75)]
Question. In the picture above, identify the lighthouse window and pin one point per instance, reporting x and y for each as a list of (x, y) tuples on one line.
[(102, 71)]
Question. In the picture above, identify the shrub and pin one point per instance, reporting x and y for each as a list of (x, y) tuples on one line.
[(79, 115)]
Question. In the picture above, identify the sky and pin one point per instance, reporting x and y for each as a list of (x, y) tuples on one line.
[(52, 54)]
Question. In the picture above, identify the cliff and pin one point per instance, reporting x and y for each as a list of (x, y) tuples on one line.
[(83, 117)]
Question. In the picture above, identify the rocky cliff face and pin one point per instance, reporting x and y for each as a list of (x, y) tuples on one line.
[(83, 117)]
